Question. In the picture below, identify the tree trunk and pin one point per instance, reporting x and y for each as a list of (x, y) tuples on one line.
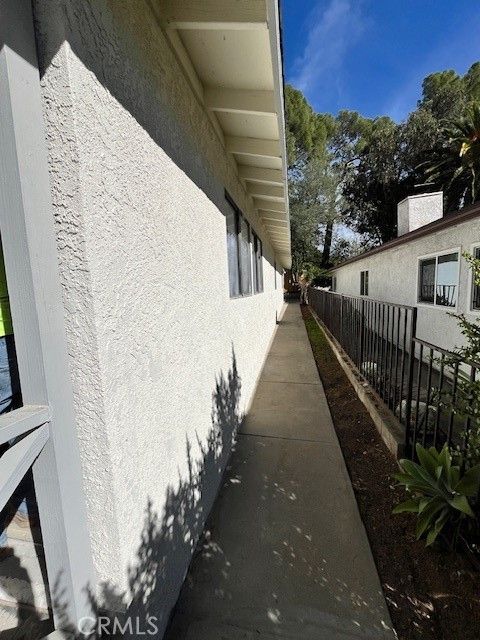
[(327, 244)]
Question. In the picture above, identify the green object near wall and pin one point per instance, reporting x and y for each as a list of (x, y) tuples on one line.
[(6, 326)]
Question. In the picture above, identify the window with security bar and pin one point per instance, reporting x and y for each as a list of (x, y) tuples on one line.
[(438, 279)]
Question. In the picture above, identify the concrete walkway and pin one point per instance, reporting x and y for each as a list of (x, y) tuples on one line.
[(286, 555)]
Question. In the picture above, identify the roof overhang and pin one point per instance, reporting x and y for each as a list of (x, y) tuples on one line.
[(230, 51)]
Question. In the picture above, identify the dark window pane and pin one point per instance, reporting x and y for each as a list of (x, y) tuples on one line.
[(426, 285), (447, 280), (232, 251), (364, 283), (245, 257), (476, 287)]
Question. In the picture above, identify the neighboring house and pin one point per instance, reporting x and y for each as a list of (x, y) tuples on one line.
[(145, 226), (422, 267)]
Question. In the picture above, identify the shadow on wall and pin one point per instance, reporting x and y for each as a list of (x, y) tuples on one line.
[(167, 540), (116, 42)]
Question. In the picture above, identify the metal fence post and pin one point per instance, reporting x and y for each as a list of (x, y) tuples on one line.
[(411, 363), (341, 320), (362, 333)]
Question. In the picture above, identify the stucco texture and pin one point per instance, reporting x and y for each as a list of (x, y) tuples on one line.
[(393, 277), (138, 177)]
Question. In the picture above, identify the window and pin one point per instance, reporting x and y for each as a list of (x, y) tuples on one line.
[(476, 287), (257, 264), (438, 280), (241, 253), (334, 284), (245, 257), (232, 252), (364, 283)]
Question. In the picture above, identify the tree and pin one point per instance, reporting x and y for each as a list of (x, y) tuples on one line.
[(383, 162), (374, 182), (356, 169), (306, 131), (456, 166), (313, 181), (444, 94)]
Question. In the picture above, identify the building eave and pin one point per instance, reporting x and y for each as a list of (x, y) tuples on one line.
[(231, 52)]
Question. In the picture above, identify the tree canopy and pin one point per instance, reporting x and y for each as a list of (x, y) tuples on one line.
[(354, 170)]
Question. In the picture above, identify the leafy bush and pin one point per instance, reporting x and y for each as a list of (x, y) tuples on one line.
[(441, 494)]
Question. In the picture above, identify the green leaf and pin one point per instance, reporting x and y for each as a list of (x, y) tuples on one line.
[(417, 473), (423, 503), (461, 504), (426, 518), (437, 527), (410, 506), (426, 459), (469, 485)]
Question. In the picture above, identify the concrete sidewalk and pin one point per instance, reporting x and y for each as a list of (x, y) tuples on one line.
[(286, 555)]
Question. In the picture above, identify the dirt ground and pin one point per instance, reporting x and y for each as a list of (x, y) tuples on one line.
[(431, 594)]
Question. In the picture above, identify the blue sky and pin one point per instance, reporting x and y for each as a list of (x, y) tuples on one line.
[(372, 55)]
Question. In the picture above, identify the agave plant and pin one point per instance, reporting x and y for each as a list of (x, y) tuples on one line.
[(441, 494), (458, 167)]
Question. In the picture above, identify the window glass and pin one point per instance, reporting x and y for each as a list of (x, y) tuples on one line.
[(245, 257), (426, 287), (232, 251), (476, 287), (259, 265), (364, 283), (255, 262), (447, 280)]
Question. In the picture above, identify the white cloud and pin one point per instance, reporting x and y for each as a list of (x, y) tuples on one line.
[(333, 30)]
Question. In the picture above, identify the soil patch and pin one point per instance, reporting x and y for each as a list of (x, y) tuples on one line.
[(432, 595)]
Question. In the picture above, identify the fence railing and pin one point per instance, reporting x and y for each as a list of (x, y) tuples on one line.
[(421, 383)]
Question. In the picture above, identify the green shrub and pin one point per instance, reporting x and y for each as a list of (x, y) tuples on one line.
[(442, 495)]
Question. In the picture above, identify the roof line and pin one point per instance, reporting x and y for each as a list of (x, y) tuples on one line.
[(449, 220)]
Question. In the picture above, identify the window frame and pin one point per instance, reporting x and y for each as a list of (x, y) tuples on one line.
[(252, 261), (471, 285), (364, 282), (436, 255), (257, 264)]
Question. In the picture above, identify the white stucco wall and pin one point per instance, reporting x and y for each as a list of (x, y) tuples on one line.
[(393, 277), (138, 177)]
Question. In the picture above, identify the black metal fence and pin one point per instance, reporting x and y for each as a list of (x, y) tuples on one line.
[(425, 386)]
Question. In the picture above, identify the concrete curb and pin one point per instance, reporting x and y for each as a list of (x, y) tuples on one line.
[(389, 428)]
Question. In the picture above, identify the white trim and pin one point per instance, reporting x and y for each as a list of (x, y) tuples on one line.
[(421, 195), (436, 255), (30, 253)]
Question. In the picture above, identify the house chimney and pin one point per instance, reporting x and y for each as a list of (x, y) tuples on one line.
[(417, 211)]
